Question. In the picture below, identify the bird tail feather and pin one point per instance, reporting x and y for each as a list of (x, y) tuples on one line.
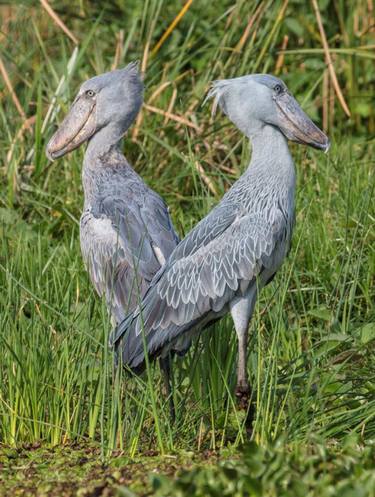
[(131, 339)]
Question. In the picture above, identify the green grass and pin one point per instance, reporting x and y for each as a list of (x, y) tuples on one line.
[(312, 341)]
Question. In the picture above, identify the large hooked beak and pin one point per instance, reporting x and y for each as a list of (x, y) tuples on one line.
[(77, 127), (297, 126)]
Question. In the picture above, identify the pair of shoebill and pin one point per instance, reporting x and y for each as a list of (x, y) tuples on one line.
[(161, 291)]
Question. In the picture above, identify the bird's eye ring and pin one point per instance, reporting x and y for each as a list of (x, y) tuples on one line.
[(90, 93), (278, 89)]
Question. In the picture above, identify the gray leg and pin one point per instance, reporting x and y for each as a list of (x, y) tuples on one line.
[(241, 310), (166, 368)]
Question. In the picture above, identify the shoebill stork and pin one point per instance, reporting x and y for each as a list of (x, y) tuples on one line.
[(222, 264), (126, 232)]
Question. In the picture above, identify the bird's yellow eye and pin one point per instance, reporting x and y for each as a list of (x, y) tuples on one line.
[(90, 93)]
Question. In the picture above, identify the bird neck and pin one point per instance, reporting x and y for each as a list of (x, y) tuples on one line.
[(270, 150), (105, 140), (105, 164)]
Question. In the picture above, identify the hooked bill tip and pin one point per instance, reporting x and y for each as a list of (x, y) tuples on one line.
[(49, 155), (52, 153), (324, 147), (327, 146)]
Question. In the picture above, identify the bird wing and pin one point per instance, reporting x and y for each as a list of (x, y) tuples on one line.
[(207, 277), (207, 230), (124, 243)]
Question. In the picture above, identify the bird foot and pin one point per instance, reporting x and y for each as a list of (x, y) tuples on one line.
[(243, 394)]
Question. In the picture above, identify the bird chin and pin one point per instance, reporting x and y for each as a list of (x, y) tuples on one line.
[(78, 126)]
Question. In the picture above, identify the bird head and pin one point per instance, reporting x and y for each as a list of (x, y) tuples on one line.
[(257, 100), (113, 98)]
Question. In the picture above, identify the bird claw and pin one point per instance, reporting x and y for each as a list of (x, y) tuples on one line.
[(243, 394)]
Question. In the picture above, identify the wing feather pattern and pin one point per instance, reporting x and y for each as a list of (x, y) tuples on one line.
[(121, 240), (218, 259)]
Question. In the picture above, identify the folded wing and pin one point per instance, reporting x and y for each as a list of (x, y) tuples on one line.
[(124, 243), (216, 261)]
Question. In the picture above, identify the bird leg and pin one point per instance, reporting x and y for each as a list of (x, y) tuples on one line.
[(241, 311), (166, 368), (243, 390)]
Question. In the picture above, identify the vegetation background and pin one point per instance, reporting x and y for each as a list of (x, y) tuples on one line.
[(68, 426)]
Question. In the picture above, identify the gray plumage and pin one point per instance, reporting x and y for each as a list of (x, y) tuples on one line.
[(126, 233), (238, 247)]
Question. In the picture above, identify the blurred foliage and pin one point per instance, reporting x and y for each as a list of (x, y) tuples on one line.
[(318, 471)]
